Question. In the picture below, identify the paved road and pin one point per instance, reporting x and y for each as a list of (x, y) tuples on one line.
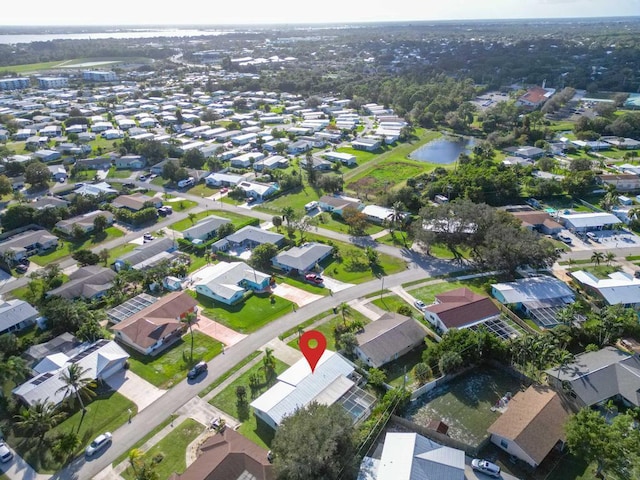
[(129, 434)]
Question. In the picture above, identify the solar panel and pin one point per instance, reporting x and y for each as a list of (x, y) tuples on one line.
[(130, 307)]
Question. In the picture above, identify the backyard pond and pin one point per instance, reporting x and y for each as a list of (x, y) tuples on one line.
[(465, 402), (444, 150)]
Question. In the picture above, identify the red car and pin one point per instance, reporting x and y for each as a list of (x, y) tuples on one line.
[(312, 277)]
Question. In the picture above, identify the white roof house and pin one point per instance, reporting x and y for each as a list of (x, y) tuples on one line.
[(101, 360), (619, 288), (588, 221), (330, 383), (533, 289), (16, 315), (409, 456)]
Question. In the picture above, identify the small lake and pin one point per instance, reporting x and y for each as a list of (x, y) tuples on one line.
[(444, 150)]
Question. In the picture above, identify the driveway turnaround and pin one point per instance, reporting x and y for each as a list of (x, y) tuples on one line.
[(135, 388), (296, 295)]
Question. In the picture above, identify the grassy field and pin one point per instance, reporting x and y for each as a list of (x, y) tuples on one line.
[(105, 413), (247, 316), (427, 294), (171, 366), (390, 303), (226, 401), (115, 173), (120, 250), (465, 403), (144, 439), (172, 449), (201, 189), (181, 205), (30, 67), (327, 328), (67, 247), (73, 63)]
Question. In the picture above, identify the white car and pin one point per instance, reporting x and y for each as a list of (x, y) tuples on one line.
[(5, 454), (485, 467), (100, 442), (420, 305)]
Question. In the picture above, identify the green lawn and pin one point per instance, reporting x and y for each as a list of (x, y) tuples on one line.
[(67, 247), (601, 271), (246, 316), (181, 205), (327, 328), (390, 303), (30, 67), (105, 413), (427, 294), (572, 468), (301, 284), (438, 250), (203, 190), (386, 175), (226, 401), (404, 365), (115, 173), (120, 250), (296, 199), (238, 220), (362, 157), (396, 240), (144, 439), (169, 367), (465, 403), (172, 449), (325, 220), (229, 372)]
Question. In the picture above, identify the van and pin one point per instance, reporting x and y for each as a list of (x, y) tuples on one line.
[(593, 237), (187, 182), (486, 467), (564, 238)]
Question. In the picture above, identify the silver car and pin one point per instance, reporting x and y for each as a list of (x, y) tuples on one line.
[(486, 467), (100, 442), (5, 454)]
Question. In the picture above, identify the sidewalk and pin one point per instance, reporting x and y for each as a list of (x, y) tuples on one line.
[(365, 307)]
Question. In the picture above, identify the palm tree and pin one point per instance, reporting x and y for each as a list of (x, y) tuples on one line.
[(192, 216), (189, 319), (13, 368), (135, 456), (609, 256), (38, 419), (597, 257), (104, 256), (288, 214), (269, 363), (345, 310), (78, 384)]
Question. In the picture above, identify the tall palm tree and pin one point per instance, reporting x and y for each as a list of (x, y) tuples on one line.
[(609, 257), (13, 368), (38, 419), (288, 214), (78, 384), (597, 257), (189, 319), (345, 310), (269, 363), (135, 456), (192, 216)]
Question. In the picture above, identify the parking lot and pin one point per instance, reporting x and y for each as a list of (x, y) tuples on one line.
[(601, 240)]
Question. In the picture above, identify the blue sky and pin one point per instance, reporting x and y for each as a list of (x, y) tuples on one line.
[(220, 12)]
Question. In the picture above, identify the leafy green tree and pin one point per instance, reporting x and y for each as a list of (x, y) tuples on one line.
[(226, 229), (348, 343), (38, 419), (37, 174), (13, 369), (450, 362), (422, 372), (104, 256), (193, 158), (315, 443), (615, 446), (6, 187), (100, 223), (377, 377), (85, 257), (261, 256)]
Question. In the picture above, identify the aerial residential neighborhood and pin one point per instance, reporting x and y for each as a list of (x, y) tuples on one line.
[(453, 209)]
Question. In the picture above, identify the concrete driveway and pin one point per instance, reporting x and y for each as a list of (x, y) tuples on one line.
[(296, 295), (217, 331), (335, 285), (135, 388), (18, 469)]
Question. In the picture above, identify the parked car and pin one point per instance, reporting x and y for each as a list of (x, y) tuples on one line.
[(142, 178), (313, 277), (224, 190), (5, 454), (147, 237), (22, 268), (251, 199), (565, 238), (100, 442), (420, 305), (485, 467), (199, 368)]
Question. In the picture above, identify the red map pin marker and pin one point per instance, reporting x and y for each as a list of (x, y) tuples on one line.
[(313, 354)]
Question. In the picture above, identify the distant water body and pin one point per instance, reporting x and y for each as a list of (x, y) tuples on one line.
[(29, 38)]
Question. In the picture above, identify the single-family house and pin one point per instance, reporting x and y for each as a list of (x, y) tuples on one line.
[(99, 361), (331, 383), (248, 237), (112, 134), (47, 155), (623, 182), (367, 144), (89, 282), (85, 222), (159, 167), (595, 377), (16, 315), (318, 163), (99, 163), (381, 215), (410, 456), (95, 189), (24, 244), (147, 255), (49, 202), (86, 137), (258, 190), (157, 326), (539, 297), (533, 424), (131, 162), (588, 222), (218, 179), (227, 282), (619, 288), (539, 221), (246, 160), (526, 152), (622, 143), (63, 343), (130, 307), (535, 96), (298, 147), (227, 455), (17, 183), (205, 229), (337, 203), (388, 338), (58, 173), (272, 162), (460, 308), (302, 259), (347, 159), (136, 202)]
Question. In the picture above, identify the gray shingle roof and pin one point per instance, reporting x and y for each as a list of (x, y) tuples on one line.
[(305, 257), (256, 235), (12, 312), (205, 226)]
